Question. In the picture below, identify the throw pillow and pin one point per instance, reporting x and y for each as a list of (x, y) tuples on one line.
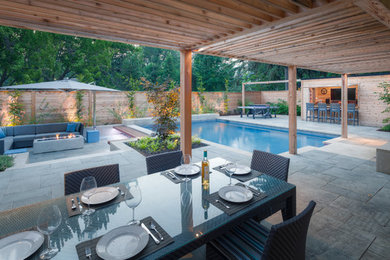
[(2, 134), (71, 127)]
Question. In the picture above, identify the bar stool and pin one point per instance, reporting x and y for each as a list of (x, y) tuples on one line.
[(322, 112), (310, 111), (335, 112), (353, 114)]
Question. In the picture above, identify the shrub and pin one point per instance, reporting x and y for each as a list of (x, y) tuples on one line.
[(16, 109), (165, 100), (386, 128), (385, 96), (283, 107), (6, 162)]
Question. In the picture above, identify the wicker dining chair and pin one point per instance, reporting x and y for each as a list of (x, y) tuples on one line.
[(251, 240), (163, 161), (104, 175), (271, 164)]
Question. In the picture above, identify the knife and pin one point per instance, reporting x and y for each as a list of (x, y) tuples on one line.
[(150, 233), (73, 205)]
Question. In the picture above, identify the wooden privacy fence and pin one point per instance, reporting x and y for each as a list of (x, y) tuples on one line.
[(59, 106)]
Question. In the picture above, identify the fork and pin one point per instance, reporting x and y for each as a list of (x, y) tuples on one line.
[(88, 252), (152, 226)]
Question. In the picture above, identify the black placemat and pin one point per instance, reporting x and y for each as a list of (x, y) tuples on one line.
[(77, 211), (150, 248), (234, 207), (243, 178), (176, 179)]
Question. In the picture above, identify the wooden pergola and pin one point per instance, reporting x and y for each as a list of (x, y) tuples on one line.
[(344, 36)]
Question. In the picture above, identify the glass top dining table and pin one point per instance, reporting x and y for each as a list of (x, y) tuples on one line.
[(190, 222)]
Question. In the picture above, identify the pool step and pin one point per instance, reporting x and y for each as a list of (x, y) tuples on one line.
[(131, 132)]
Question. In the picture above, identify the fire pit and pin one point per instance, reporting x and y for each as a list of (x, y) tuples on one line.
[(58, 143)]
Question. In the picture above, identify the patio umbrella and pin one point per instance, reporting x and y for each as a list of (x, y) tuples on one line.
[(64, 85)]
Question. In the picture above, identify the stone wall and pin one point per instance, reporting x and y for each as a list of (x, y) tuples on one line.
[(370, 108)]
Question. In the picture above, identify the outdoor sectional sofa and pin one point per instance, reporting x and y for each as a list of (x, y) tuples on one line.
[(23, 136)]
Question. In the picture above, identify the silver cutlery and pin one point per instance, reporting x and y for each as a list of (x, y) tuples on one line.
[(120, 191), (150, 233), (255, 192), (88, 252), (226, 206), (175, 176), (79, 202), (73, 205), (152, 226)]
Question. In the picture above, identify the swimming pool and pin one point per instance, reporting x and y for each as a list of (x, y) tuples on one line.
[(249, 137)]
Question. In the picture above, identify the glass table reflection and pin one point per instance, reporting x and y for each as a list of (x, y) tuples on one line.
[(181, 209)]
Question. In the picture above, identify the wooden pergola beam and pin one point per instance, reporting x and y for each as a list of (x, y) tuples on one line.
[(377, 9), (185, 101), (292, 109)]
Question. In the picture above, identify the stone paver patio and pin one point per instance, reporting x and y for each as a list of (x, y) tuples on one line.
[(352, 216)]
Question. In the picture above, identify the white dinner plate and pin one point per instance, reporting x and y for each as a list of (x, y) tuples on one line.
[(241, 170), (236, 194), (100, 195), (21, 245), (192, 170), (122, 242)]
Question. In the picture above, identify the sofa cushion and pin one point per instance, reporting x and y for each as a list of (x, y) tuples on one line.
[(24, 130), (9, 130), (8, 141), (23, 138), (23, 141), (51, 128), (2, 133), (71, 127)]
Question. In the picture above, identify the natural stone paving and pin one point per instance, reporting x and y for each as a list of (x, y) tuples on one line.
[(351, 219)]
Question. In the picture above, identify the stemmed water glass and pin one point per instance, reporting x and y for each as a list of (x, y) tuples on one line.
[(88, 186), (134, 189), (49, 220), (230, 169), (186, 164)]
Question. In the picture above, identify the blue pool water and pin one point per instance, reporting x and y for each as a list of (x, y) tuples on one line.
[(249, 137)]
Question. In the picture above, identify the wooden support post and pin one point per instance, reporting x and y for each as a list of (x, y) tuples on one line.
[(243, 99), (185, 101), (90, 107), (344, 106), (33, 106), (292, 109), (94, 110)]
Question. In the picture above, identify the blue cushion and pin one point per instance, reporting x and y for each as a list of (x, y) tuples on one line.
[(15, 151), (71, 127), (2, 134), (51, 128), (24, 130)]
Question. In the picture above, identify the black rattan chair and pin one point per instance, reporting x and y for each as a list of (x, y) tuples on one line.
[(271, 164), (104, 175), (251, 240), (163, 161)]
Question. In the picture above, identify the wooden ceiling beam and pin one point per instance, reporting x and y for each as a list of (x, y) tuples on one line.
[(376, 9), (284, 5), (265, 8)]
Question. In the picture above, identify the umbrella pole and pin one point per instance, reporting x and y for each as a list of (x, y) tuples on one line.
[(94, 110)]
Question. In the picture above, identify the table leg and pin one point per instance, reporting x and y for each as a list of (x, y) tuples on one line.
[(290, 210)]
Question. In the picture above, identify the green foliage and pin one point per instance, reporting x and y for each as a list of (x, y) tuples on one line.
[(16, 108), (165, 100), (283, 107), (386, 128), (118, 112), (79, 106), (384, 95), (6, 162), (157, 144)]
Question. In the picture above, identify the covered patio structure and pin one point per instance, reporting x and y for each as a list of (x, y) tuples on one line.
[(344, 36)]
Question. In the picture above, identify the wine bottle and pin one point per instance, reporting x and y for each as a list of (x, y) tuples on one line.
[(205, 170)]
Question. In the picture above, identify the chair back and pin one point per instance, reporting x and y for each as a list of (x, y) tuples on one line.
[(334, 107), (351, 107), (104, 175), (310, 106), (163, 161), (287, 240), (271, 164), (322, 107)]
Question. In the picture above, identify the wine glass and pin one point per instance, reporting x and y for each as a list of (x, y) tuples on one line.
[(186, 195), (88, 186), (49, 220), (186, 165), (230, 169), (134, 189)]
